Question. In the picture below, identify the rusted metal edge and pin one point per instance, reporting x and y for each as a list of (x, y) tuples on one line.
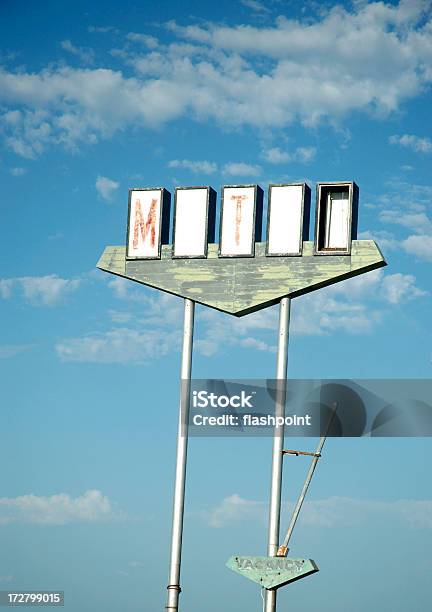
[(296, 452)]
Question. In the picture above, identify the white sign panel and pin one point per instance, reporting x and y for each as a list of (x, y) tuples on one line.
[(337, 218), (144, 224), (238, 221), (285, 220), (190, 224)]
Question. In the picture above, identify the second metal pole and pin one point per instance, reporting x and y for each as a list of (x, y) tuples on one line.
[(278, 441), (182, 442)]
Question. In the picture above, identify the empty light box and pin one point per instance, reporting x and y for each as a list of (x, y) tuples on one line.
[(336, 218), (194, 221), (287, 219)]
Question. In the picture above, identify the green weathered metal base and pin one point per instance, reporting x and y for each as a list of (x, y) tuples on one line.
[(272, 572), (240, 286)]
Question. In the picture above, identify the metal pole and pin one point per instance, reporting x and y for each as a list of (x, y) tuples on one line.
[(316, 456), (182, 442), (296, 512), (278, 440)]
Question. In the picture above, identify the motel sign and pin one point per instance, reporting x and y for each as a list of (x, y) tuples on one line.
[(238, 275)]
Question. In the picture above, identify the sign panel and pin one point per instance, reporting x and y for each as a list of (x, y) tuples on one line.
[(287, 219), (336, 218), (241, 220), (272, 572), (148, 222), (194, 221)]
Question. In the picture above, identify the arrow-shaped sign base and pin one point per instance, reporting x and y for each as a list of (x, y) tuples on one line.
[(272, 572), (241, 285)]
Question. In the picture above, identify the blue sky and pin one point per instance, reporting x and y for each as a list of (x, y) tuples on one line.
[(96, 98)]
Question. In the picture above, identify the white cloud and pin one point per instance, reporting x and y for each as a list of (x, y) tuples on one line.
[(420, 246), (318, 58), (100, 29), (106, 187), (120, 345), (370, 59), (417, 144), (305, 154), (59, 509), (18, 171), (150, 331), (41, 290), (406, 196), (256, 6), (122, 287), (28, 132), (160, 308), (359, 287), (218, 330), (354, 306), (202, 166), (320, 313), (410, 204), (419, 222), (400, 287), (241, 169), (144, 39), (47, 290), (328, 513), (385, 240), (120, 317), (276, 155), (234, 508), (390, 288), (254, 343), (207, 167), (84, 54)]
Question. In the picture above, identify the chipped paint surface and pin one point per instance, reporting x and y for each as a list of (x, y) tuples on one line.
[(240, 286)]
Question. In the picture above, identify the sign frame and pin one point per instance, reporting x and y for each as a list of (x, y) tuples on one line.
[(353, 199), (257, 220), (210, 221), (164, 221), (304, 218)]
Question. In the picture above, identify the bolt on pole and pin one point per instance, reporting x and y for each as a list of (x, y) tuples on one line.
[(278, 441), (181, 460)]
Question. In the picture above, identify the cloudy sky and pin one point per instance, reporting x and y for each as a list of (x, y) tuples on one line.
[(96, 98)]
